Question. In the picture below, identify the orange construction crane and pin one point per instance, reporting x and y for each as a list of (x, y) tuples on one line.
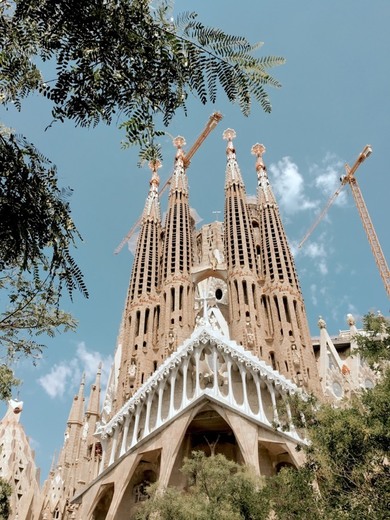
[(214, 119), (349, 178)]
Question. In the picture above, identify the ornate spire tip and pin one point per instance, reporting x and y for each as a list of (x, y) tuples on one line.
[(154, 165), (179, 142), (321, 322), (229, 134), (258, 149)]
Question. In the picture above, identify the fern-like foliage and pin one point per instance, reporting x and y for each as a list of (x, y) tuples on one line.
[(121, 58), (36, 228)]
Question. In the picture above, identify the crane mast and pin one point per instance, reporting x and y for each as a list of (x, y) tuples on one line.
[(214, 119), (349, 178), (371, 235)]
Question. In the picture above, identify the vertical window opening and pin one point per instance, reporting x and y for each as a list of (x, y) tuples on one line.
[(181, 297), (244, 288), (158, 316), (277, 307), (272, 357), (286, 309), (146, 321), (137, 318)]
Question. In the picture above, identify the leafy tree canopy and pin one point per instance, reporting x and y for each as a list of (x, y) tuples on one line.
[(217, 489), (125, 58), (5, 493), (374, 346), (36, 233), (36, 229)]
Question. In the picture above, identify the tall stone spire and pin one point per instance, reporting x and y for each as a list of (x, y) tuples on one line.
[(277, 262), (138, 337), (289, 345), (90, 450), (62, 482), (75, 422), (177, 293), (244, 298), (93, 408)]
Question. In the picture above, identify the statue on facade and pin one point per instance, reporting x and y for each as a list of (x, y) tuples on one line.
[(132, 371), (321, 323), (171, 341), (250, 337)]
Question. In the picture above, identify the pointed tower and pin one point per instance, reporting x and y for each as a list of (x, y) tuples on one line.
[(64, 479), (71, 449), (177, 292), (90, 450), (243, 288), (138, 339), (287, 332), (17, 464)]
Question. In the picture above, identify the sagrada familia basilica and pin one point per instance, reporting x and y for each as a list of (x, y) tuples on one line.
[(213, 340)]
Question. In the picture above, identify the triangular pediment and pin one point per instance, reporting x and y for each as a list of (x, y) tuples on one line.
[(207, 366)]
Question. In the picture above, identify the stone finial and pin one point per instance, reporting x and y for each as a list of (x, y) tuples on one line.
[(350, 320), (179, 142), (321, 323), (154, 165), (15, 405), (258, 150), (229, 134)]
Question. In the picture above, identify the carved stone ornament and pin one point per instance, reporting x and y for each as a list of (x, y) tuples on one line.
[(202, 335)]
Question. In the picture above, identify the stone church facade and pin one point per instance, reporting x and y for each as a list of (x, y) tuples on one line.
[(214, 339)]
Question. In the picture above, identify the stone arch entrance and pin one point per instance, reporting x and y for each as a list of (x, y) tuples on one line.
[(208, 432), (146, 473), (273, 456), (104, 501)]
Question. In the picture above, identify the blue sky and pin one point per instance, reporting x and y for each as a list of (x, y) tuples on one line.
[(334, 100)]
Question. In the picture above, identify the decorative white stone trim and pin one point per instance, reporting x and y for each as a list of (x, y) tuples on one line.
[(205, 364)]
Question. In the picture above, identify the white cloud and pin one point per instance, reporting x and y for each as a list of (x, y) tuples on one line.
[(327, 178), (66, 375), (318, 253), (314, 250), (313, 294), (55, 382), (89, 360), (289, 188), (323, 268)]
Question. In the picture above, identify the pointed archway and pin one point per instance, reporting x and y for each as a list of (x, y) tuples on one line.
[(208, 432), (104, 501), (146, 473)]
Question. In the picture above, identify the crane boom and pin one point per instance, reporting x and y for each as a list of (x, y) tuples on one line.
[(371, 235), (321, 215), (214, 119), (349, 178)]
